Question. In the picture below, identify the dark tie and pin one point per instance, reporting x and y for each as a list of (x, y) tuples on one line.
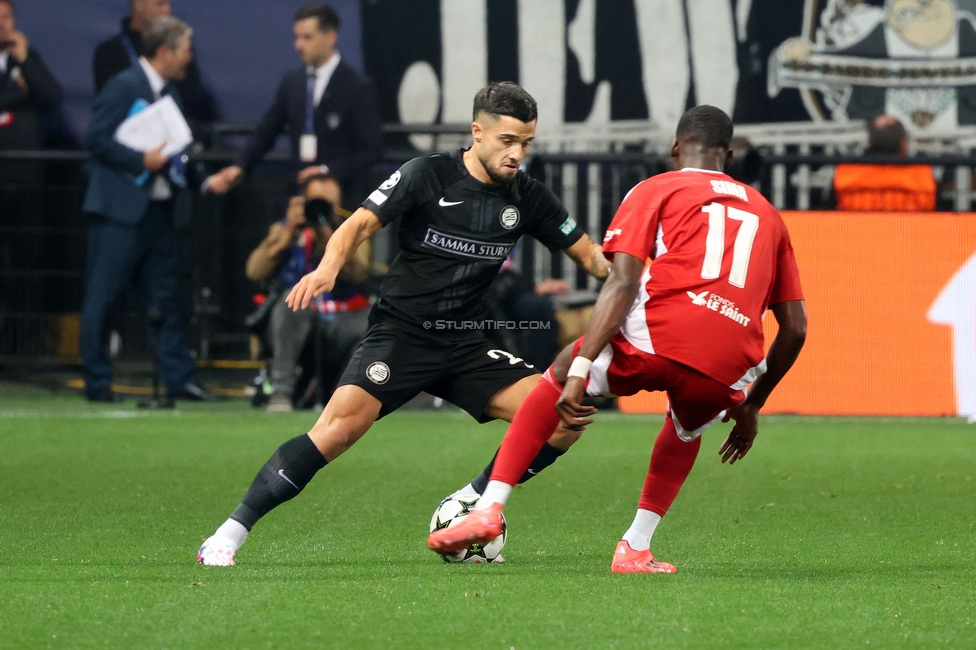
[(310, 103)]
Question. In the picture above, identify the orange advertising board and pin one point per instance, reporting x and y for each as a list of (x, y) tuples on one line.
[(891, 302)]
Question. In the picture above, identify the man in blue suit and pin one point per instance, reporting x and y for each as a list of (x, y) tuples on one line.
[(131, 237), (327, 109)]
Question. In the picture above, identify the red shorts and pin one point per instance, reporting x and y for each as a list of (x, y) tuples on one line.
[(695, 401)]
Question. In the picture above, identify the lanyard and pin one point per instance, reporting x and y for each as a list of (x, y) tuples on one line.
[(130, 49)]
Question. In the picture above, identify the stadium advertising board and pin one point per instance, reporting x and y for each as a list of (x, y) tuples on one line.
[(892, 317)]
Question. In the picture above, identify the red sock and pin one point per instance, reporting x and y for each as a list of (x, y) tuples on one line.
[(534, 423), (671, 462)]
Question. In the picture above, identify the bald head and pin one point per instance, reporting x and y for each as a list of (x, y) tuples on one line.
[(143, 12), (887, 136)]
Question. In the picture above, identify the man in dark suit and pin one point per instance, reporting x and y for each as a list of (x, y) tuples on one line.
[(327, 109), (131, 237), (27, 88), (123, 50)]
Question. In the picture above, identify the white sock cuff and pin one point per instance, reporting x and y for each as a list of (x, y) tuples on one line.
[(233, 531), (495, 492), (640, 532)]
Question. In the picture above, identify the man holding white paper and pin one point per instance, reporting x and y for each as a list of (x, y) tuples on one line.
[(130, 199), (158, 123)]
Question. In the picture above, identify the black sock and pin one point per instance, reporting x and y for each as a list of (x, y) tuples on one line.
[(546, 457), (285, 474)]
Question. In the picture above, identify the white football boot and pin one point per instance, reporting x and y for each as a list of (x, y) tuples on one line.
[(217, 551)]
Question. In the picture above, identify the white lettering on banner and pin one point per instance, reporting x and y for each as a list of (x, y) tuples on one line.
[(664, 55), (464, 51), (956, 307), (542, 57), (682, 44), (665, 43), (713, 52)]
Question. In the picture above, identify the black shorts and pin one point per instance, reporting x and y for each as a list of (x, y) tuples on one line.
[(395, 366)]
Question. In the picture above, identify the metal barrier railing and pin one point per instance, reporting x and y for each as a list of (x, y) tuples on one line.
[(43, 232)]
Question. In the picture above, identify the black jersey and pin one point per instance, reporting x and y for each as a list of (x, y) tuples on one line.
[(455, 234)]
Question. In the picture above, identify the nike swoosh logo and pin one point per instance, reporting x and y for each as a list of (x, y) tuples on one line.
[(281, 473), (532, 472), (446, 204)]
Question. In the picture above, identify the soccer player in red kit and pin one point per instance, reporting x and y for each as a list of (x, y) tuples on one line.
[(689, 323)]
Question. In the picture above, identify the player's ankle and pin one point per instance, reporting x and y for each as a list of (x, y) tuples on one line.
[(232, 531), (496, 492), (639, 535)]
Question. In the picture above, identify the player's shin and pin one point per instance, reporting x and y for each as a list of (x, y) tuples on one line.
[(532, 426), (671, 462), (285, 474)]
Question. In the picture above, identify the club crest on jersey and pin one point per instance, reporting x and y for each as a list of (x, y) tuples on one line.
[(509, 217), (391, 182), (378, 372)]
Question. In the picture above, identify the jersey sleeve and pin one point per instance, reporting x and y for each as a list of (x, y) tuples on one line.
[(634, 227), (552, 224), (786, 287), (406, 188)]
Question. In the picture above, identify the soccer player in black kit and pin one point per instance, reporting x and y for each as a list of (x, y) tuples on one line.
[(463, 211)]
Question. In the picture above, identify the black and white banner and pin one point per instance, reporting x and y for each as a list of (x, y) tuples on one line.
[(601, 62)]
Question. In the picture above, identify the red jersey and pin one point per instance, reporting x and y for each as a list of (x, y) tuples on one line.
[(720, 255)]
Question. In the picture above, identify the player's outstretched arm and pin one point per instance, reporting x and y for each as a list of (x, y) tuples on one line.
[(791, 317), (612, 306), (588, 255), (342, 245)]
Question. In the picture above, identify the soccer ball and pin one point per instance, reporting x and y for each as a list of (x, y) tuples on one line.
[(451, 510)]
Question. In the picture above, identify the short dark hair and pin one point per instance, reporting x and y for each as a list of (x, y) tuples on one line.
[(885, 135), (706, 125), (164, 30), (317, 178), (328, 18), (506, 98)]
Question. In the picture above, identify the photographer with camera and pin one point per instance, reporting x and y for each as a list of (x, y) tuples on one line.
[(293, 247)]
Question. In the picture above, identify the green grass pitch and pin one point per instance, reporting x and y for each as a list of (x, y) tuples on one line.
[(832, 533)]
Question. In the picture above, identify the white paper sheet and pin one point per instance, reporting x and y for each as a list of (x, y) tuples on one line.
[(160, 122)]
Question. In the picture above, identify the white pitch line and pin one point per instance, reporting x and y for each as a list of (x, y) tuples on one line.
[(94, 415)]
